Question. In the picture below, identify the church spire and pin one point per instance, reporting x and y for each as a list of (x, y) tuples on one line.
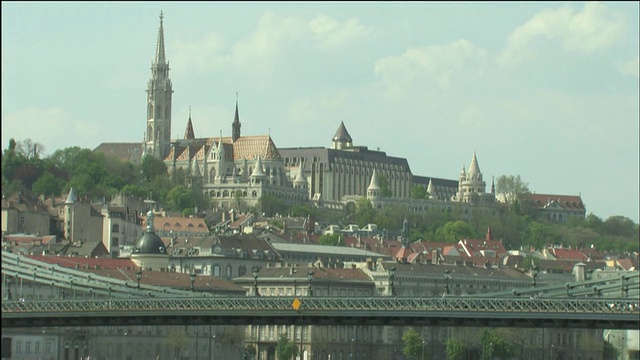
[(188, 133), (235, 127), (160, 58), (159, 92)]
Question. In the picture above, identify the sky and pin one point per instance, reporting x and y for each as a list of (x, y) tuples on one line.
[(544, 90)]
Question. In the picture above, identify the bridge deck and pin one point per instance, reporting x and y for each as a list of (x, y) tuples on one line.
[(622, 313)]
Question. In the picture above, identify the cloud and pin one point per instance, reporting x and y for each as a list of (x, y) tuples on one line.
[(429, 66), (593, 29), (331, 34), (55, 128), (201, 56), (268, 47), (630, 67)]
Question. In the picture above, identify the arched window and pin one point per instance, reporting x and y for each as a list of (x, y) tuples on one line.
[(229, 271), (216, 270)]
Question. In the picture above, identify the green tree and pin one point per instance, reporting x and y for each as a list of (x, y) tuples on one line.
[(364, 212), (538, 235), (269, 205), (249, 352), (384, 186), (333, 239), (454, 349), (513, 191), (152, 167), (494, 346), (285, 349), (47, 184), (412, 344), (134, 190), (180, 198), (179, 340), (609, 352), (419, 192), (453, 231)]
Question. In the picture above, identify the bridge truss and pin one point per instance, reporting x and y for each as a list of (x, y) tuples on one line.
[(621, 313)]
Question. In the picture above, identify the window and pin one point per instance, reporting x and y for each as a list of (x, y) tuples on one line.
[(115, 228)]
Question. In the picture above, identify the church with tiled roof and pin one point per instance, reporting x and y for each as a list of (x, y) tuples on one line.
[(227, 168)]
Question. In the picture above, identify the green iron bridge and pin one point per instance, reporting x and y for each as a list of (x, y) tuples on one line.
[(609, 313)]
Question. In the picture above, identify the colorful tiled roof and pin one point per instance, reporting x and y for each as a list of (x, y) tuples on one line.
[(568, 202)]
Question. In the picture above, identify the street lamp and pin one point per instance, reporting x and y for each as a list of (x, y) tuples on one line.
[(422, 356), (351, 352), (490, 350), (124, 345), (192, 277), (9, 288), (310, 278), (392, 275), (139, 276), (446, 281), (256, 272), (551, 351), (213, 348), (534, 273)]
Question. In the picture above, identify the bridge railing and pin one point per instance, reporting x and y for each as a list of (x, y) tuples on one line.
[(312, 304)]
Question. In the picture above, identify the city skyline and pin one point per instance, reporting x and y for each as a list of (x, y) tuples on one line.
[(547, 91)]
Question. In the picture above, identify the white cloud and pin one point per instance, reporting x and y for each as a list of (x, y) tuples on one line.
[(593, 29), (630, 67), (202, 55), (55, 128), (267, 47), (428, 66), (331, 34)]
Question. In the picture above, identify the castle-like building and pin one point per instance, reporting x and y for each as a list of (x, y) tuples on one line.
[(238, 170)]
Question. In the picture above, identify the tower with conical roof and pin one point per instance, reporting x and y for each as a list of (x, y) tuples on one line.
[(373, 191), (159, 92), (235, 127), (69, 208), (471, 187), (300, 181), (342, 139)]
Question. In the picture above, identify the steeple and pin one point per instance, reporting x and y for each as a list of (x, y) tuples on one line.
[(71, 198), (235, 127), (188, 133), (159, 92), (160, 59)]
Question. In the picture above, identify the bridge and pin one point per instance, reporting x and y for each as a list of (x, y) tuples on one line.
[(611, 303), (621, 313)]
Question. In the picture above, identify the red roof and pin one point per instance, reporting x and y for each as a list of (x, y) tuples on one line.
[(85, 262), (568, 254), (568, 202)]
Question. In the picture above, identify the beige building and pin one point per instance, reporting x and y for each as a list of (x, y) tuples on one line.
[(22, 215)]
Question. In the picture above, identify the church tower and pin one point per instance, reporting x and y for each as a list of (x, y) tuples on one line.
[(159, 92), (235, 127)]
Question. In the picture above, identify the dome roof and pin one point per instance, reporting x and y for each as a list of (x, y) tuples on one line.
[(149, 242)]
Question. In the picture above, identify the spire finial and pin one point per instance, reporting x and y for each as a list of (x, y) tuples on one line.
[(189, 111), (161, 17)]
